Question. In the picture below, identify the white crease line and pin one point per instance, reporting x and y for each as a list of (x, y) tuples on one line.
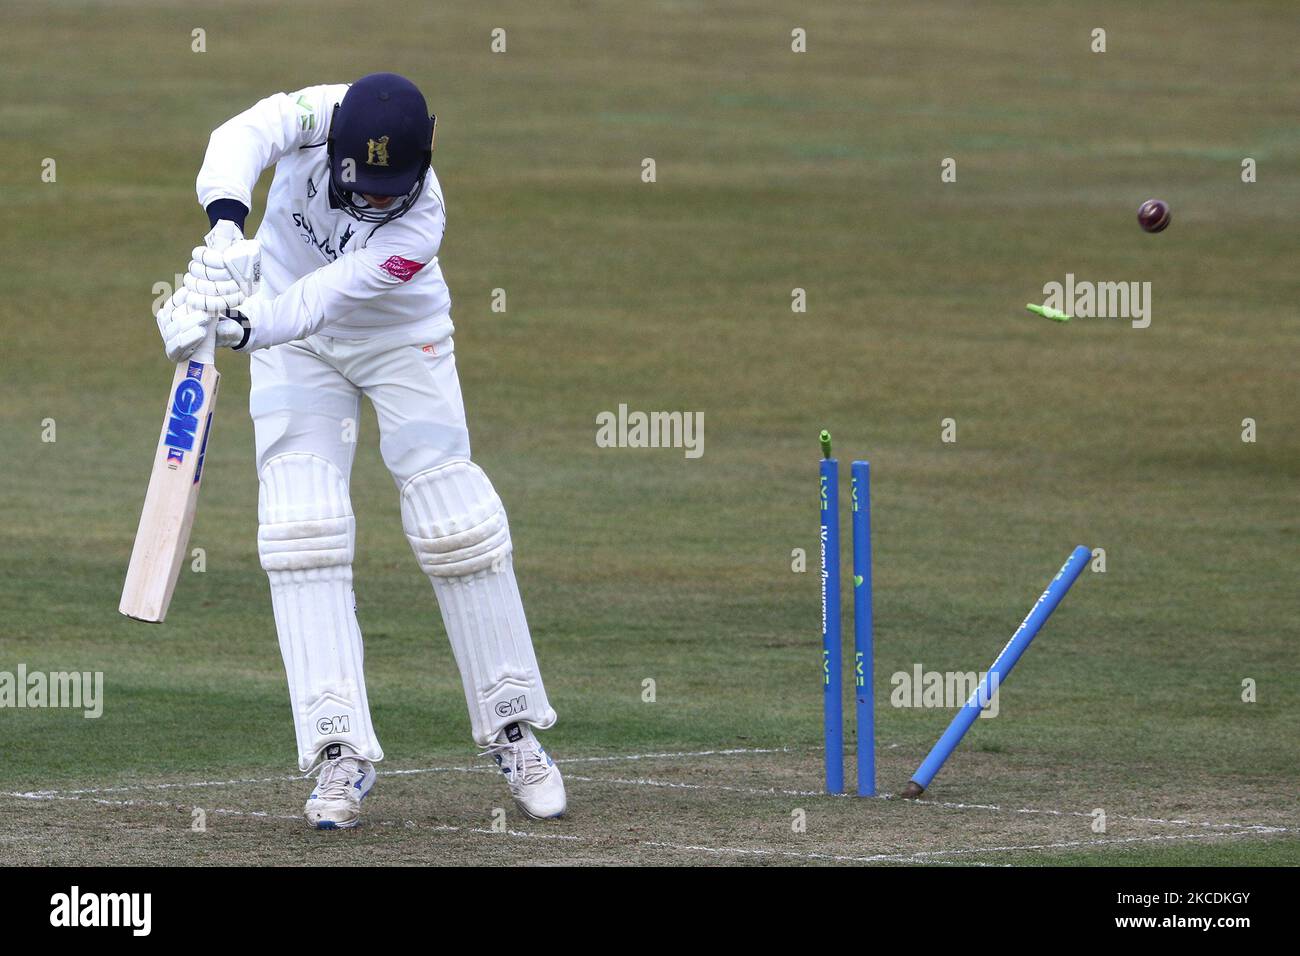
[(203, 784), (1256, 827), (791, 853), (680, 754), (104, 802), (672, 785), (919, 856), (772, 791), (931, 856), (449, 828), (188, 785), (1067, 844), (794, 854), (263, 814), (199, 784), (759, 791)]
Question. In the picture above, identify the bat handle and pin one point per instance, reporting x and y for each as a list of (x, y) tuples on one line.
[(206, 353)]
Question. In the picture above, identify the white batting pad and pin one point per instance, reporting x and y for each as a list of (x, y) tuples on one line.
[(305, 541), (458, 531)]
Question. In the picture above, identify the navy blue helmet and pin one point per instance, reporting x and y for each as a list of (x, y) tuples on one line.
[(380, 144)]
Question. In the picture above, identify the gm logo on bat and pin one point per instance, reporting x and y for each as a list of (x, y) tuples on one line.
[(183, 423)]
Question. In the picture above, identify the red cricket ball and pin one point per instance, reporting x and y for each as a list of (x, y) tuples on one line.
[(1153, 215)]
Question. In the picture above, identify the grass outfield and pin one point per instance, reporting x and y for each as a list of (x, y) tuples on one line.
[(775, 171)]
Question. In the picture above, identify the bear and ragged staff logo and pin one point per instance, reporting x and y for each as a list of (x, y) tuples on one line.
[(378, 152)]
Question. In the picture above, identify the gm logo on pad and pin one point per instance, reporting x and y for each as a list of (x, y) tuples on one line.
[(508, 708)]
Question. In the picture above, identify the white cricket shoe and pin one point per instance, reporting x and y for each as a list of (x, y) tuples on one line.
[(535, 781), (344, 781)]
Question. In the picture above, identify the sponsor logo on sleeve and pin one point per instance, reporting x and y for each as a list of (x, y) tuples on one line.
[(401, 269), (306, 115)]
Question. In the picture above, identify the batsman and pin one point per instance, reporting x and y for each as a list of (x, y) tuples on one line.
[(351, 303)]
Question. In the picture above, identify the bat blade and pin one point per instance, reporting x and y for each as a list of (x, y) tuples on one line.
[(164, 531)]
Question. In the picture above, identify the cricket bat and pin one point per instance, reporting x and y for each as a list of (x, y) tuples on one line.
[(164, 532)]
